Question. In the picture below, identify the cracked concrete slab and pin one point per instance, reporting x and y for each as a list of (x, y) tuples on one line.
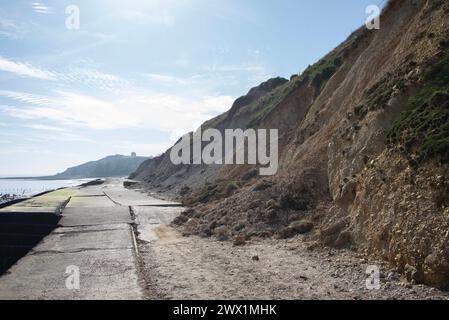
[(86, 238), (46, 203), (104, 274), (89, 202), (90, 191), (94, 216), (90, 228), (127, 197)]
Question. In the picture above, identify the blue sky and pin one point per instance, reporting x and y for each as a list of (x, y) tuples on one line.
[(139, 73)]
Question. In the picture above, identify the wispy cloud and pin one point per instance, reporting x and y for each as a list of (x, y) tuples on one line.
[(25, 69), (69, 109), (45, 127), (130, 110), (41, 8), (25, 97), (11, 29), (93, 79), (87, 77), (45, 133)]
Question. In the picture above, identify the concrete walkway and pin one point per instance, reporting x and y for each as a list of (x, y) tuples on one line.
[(121, 243), (96, 235)]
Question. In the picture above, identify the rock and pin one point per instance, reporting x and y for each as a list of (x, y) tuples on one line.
[(347, 194), (240, 226), (263, 185), (272, 204), (221, 233), (285, 233), (128, 184), (299, 227), (294, 202), (192, 224), (411, 273), (436, 270), (312, 246), (205, 233), (179, 220), (240, 240), (255, 258), (331, 234), (344, 239), (212, 225), (250, 174), (392, 276), (334, 228), (189, 212), (270, 214), (302, 227), (254, 204), (184, 190)]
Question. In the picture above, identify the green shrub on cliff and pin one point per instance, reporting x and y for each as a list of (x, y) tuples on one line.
[(323, 70), (424, 129)]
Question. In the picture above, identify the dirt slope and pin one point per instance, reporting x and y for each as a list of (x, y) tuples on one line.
[(363, 140)]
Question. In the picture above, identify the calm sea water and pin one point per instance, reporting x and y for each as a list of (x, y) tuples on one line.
[(30, 187)]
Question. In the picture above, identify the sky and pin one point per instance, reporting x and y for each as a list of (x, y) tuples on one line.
[(138, 74)]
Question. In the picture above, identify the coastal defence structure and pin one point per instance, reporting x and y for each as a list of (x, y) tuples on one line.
[(24, 224)]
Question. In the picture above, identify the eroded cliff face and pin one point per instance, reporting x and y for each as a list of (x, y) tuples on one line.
[(388, 202), (160, 174), (359, 168)]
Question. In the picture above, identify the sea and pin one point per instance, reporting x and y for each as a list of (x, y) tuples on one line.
[(29, 187)]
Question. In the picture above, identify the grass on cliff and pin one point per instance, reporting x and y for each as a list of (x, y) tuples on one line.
[(323, 70), (424, 129), (317, 74), (266, 104), (379, 94)]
